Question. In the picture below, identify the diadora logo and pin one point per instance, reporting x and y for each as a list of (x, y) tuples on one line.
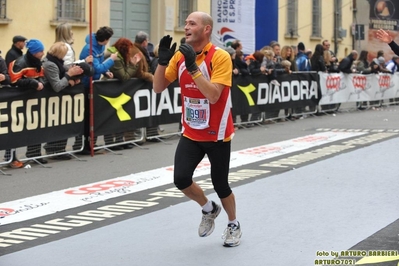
[(333, 82), (359, 82), (226, 35), (384, 81)]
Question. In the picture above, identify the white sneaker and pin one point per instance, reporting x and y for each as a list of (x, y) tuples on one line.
[(232, 235), (207, 224)]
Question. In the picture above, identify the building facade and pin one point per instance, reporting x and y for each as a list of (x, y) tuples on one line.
[(307, 21), (38, 19)]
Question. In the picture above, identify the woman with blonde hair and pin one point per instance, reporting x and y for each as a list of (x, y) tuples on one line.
[(64, 33), (59, 79), (287, 54)]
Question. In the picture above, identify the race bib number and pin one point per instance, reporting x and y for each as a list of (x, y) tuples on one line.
[(196, 113)]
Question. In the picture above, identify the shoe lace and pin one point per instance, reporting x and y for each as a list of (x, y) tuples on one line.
[(228, 233)]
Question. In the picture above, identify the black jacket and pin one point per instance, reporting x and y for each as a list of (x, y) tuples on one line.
[(345, 65), (241, 66), (4, 71), (318, 64), (13, 54)]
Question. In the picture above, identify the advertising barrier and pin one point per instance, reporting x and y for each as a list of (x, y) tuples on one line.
[(30, 117)]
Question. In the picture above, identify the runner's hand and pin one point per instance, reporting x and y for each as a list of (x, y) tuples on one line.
[(384, 36), (165, 52), (190, 56)]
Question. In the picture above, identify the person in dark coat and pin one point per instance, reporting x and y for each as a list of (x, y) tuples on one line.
[(317, 59), (345, 65), (5, 81), (18, 43)]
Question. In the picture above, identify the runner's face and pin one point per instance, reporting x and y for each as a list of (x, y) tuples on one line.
[(194, 29)]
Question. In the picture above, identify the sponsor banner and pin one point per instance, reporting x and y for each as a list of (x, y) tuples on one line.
[(30, 117), (341, 88), (384, 14), (234, 20), (252, 94), (132, 104), (45, 204)]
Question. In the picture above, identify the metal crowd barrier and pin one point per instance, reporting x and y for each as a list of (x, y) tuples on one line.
[(173, 130)]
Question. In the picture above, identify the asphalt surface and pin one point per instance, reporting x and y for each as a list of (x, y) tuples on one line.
[(302, 207)]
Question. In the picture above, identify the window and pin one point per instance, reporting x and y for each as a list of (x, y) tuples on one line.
[(338, 9), (185, 8), (316, 18), (3, 9), (292, 18), (71, 10)]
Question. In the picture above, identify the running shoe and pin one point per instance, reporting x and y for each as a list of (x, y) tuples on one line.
[(208, 221), (232, 235)]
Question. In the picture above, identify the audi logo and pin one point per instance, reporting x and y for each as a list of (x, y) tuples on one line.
[(359, 82), (333, 82), (384, 81)]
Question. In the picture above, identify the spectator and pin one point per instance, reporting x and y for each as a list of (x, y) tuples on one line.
[(141, 42), (272, 114), (302, 60), (232, 54), (100, 66), (239, 63), (27, 72), (255, 69), (5, 81), (286, 66), (382, 68), (18, 43), (363, 66), (236, 45), (127, 65), (154, 60), (242, 69), (270, 65), (346, 64), (333, 58), (59, 79), (63, 33), (287, 54), (255, 65), (393, 64), (317, 59)]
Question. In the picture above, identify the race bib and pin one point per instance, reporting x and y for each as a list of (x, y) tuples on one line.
[(196, 113)]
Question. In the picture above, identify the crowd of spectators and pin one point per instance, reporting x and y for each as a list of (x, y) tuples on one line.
[(127, 59), (60, 69), (273, 60)]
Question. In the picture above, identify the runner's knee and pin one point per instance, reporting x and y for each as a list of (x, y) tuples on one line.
[(182, 182), (223, 192)]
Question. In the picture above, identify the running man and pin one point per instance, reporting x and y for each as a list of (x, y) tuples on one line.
[(204, 73)]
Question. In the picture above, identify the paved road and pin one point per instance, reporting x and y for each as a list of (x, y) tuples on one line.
[(305, 190)]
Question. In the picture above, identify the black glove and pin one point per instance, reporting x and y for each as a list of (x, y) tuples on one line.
[(189, 55), (165, 52)]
